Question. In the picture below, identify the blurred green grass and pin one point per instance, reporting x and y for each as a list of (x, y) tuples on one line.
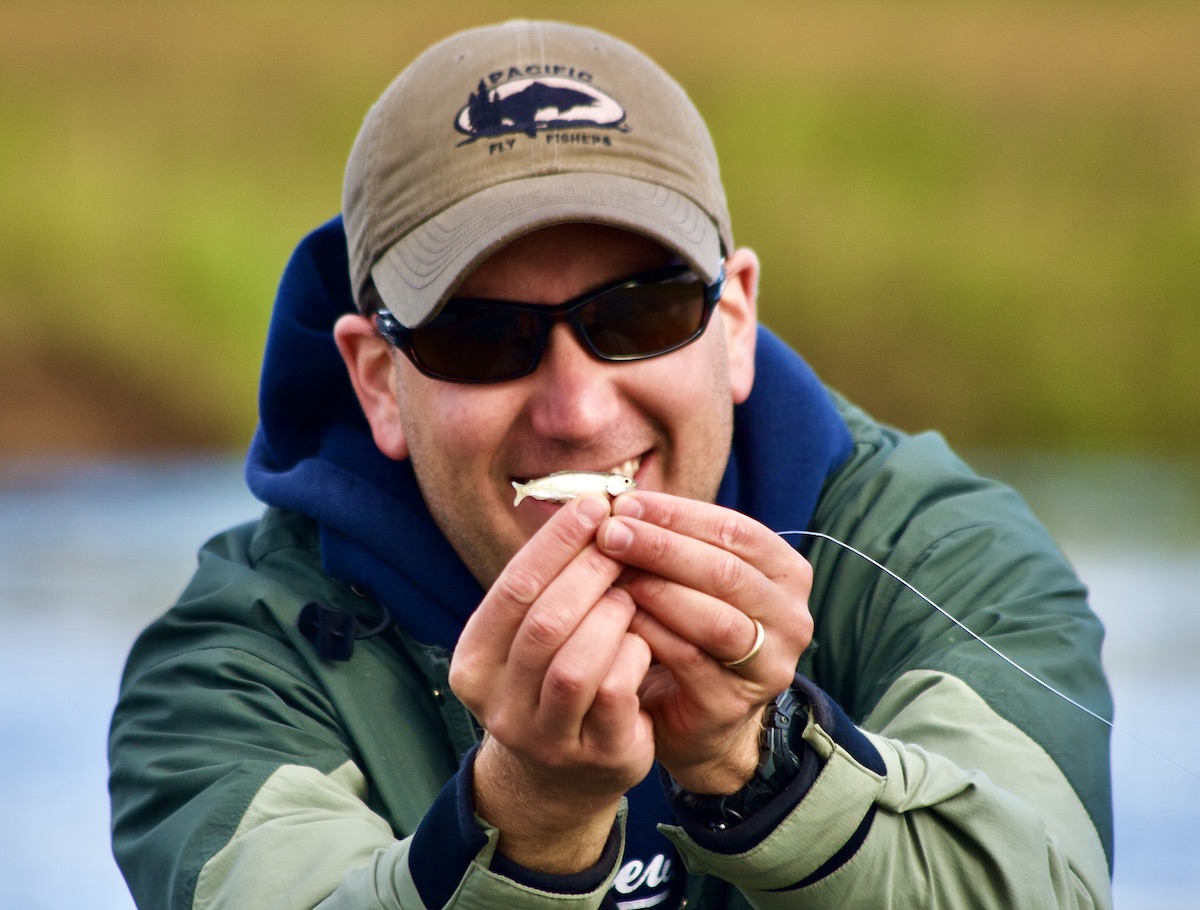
[(980, 216)]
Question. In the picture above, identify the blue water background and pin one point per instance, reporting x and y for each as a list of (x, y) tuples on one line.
[(90, 552)]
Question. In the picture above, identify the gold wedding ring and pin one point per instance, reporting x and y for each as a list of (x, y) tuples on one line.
[(760, 635)]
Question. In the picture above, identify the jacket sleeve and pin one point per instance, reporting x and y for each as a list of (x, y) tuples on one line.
[(237, 781), (983, 786), (928, 831), (451, 861)]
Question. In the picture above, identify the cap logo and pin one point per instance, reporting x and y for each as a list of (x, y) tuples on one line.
[(529, 105)]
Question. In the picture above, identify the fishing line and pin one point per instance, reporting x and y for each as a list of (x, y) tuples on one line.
[(1004, 657)]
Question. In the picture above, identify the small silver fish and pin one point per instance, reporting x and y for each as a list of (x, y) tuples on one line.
[(563, 485)]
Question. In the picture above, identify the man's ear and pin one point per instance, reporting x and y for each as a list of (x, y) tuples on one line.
[(372, 372), (739, 316)]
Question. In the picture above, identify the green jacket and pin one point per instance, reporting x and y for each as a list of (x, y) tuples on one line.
[(248, 772)]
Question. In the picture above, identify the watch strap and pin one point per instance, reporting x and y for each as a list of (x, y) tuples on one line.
[(778, 766)]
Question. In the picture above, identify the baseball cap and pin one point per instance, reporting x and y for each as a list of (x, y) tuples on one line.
[(501, 130)]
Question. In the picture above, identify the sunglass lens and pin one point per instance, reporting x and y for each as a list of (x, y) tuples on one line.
[(643, 320), (477, 343)]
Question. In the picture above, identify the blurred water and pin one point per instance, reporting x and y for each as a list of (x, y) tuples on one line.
[(90, 552)]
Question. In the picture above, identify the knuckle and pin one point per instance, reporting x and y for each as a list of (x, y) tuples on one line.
[(610, 694), (602, 570), (797, 624), (648, 588), (804, 626), (546, 627), (728, 574), (503, 727), (658, 547), (729, 628), (794, 575), (618, 605), (518, 585), (666, 514), (777, 680), (564, 682), (460, 685), (803, 573), (692, 659), (731, 532)]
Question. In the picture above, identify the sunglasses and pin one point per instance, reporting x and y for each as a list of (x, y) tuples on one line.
[(635, 318)]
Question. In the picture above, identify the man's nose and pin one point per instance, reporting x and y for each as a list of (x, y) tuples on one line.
[(575, 397)]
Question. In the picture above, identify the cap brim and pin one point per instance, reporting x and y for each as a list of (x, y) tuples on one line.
[(418, 274)]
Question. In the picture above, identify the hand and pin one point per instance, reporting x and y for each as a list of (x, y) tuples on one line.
[(550, 669), (703, 573)]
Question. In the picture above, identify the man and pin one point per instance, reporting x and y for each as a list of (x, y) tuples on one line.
[(398, 689)]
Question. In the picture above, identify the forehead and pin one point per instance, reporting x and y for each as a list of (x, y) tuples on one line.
[(560, 262)]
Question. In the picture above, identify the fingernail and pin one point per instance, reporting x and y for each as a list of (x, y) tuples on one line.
[(622, 595), (616, 537), (628, 505), (592, 510)]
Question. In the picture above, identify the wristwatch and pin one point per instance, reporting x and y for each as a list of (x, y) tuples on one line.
[(778, 766)]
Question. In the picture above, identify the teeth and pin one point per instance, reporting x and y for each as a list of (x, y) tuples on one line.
[(628, 468)]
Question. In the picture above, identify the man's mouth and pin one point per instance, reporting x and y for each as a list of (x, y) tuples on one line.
[(628, 468)]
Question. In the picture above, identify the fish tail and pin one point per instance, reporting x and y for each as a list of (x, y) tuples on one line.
[(520, 488)]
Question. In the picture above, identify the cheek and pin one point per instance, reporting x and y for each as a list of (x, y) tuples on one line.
[(691, 401), (448, 425), (710, 375), (459, 434), (688, 391)]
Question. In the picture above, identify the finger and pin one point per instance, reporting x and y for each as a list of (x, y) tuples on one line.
[(628, 671), (682, 657), (493, 625), (721, 527), (616, 721), (531, 688), (699, 655), (695, 705), (570, 684), (567, 602), (546, 554), (502, 681), (696, 670), (692, 562), (721, 631), (711, 588)]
